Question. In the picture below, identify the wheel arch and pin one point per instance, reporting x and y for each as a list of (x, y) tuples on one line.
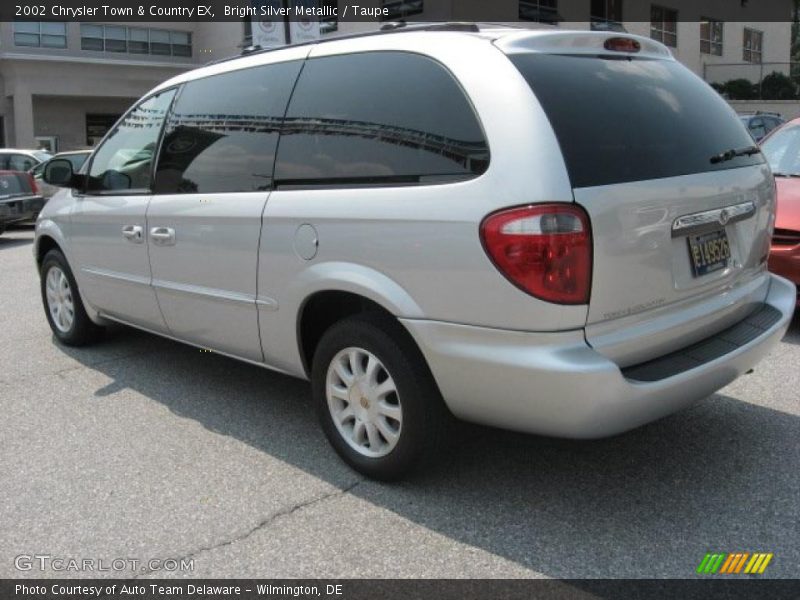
[(324, 308), (45, 243)]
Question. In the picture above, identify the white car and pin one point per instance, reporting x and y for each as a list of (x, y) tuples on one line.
[(12, 159)]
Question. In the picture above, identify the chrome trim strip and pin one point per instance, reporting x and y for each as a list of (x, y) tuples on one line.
[(205, 292), (267, 303), (126, 277), (184, 288), (712, 219)]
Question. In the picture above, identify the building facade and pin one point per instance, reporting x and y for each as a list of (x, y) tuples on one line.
[(62, 85)]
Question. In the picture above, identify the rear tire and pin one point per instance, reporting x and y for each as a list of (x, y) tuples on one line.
[(62, 303), (375, 397)]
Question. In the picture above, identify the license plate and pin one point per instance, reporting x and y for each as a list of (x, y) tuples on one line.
[(709, 252)]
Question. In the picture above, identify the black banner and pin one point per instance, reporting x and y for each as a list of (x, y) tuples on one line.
[(506, 11), (404, 589)]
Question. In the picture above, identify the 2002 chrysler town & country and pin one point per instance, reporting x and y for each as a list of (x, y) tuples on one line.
[(563, 233)]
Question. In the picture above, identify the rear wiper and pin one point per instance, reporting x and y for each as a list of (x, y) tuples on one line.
[(734, 153), (778, 174)]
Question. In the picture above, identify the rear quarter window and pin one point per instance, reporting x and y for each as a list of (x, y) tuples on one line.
[(379, 118), (621, 120)]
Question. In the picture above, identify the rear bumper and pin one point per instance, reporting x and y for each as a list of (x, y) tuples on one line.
[(555, 384)]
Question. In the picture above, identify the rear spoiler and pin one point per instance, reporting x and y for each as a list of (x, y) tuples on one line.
[(587, 43)]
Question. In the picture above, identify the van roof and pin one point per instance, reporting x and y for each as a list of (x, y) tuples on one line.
[(517, 39), (508, 38)]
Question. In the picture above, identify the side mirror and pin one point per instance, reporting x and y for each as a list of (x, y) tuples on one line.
[(58, 171)]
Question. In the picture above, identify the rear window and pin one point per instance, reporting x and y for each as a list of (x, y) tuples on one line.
[(621, 120), (11, 184)]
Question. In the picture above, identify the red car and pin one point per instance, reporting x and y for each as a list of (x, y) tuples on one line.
[(782, 150)]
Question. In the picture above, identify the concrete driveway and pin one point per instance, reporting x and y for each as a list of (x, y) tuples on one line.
[(142, 448)]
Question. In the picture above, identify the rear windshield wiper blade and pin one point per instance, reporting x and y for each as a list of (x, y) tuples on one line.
[(779, 174), (734, 153)]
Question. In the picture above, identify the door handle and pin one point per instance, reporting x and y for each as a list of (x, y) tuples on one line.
[(164, 236), (133, 233)]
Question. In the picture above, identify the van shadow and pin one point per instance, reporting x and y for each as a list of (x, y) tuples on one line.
[(719, 476), (16, 235), (793, 334)]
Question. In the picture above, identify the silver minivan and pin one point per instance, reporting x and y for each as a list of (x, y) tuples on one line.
[(562, 233)]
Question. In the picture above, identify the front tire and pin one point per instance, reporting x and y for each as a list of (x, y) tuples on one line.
[(376, 398), (62, 303)]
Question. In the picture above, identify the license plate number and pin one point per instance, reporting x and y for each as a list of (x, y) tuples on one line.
[(709, 252)]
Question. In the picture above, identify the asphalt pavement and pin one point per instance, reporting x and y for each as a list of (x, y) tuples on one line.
[(142, 448)]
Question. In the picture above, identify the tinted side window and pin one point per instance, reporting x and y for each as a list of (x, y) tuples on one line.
[(380, 117), (632, 120), (222, 132), (124, 161)]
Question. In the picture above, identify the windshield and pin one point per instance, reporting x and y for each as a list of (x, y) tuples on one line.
[(77, 160), (782, 151), (42, 156), (633, 120)]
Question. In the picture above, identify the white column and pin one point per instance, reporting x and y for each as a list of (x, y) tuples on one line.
[(23, 119)]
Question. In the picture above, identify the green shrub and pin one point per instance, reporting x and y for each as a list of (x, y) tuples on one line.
[(741, 89), (777, 86)]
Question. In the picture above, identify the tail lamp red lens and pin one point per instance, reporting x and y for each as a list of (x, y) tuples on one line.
[(622, 44), (32, 181), (544, 249)]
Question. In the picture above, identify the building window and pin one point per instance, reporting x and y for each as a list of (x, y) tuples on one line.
[(711, 37), (138, 40), (92, 37), (181, 43), (159, 42), (400, 9), (540, 11), (116, 38), (606, 15), (135, 40), (753, 45), (40, 34), (664, 25), (97, 126), (329, 24)]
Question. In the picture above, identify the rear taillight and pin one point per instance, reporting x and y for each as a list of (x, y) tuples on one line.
[(32, 181), (544, 249)]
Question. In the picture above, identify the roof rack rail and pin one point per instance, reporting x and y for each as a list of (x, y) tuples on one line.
[(386, 28)]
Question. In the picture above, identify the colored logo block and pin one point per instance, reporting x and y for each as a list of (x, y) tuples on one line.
[(737, 563)]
